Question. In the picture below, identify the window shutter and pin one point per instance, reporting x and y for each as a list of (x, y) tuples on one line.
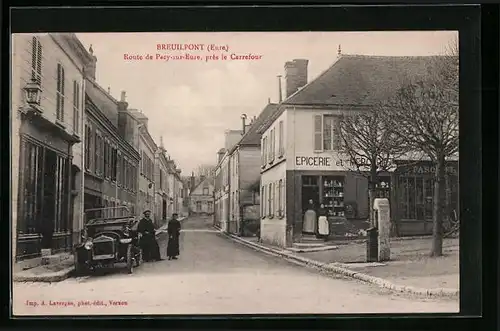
[(273, 139), (281, 143), (336, 133), (62, 93), (39, 62), (318, 133), (34, 53), (58, 87)]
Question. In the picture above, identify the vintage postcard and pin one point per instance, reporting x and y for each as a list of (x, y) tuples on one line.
[(235, 173)]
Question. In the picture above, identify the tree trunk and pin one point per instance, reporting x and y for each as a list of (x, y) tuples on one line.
[(437, 217), (372, 183)]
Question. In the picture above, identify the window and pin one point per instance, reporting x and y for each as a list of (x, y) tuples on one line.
[(100, 155), (118, 168), (281, 147), (205, 191), (280, 198), (88, 147), (76, 107), (269, 200), (270, 156), (105, 156), (326, 133), (264, 151), (36, 60), (60, 93), (263, 201)]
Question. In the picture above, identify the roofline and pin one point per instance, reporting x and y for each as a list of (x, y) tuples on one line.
[(312, 80), (144, 132), (239, 143), (106, 122), (102, 90)]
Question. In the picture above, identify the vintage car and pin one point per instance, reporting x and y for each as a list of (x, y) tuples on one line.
[(107, 241)]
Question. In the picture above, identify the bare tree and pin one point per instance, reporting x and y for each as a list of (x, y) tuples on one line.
[(424, 117), (206, 170), (368, 146)]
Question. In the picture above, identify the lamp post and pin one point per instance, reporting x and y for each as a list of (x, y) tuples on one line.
[(32, 96), (33, 92)]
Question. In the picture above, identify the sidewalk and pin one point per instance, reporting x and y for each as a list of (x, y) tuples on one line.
[(409, 271), (46, 273)]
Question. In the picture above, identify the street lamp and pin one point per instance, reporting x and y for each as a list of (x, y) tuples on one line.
[(33, 92)]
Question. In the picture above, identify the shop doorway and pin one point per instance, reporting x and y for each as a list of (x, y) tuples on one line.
[(310, 191), (164, 209)]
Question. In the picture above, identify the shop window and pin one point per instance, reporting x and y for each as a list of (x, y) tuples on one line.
[(383, 188), (333, 196)]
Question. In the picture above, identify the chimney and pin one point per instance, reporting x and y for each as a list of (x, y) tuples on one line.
[(295, 75), (90, 67), (192, 181), (339, 52), (268, 100), (243, 119), (280, 96), (220, 155), (122, 104)]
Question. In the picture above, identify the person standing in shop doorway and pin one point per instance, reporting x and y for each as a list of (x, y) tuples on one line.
[(323, 226), (310, 219)]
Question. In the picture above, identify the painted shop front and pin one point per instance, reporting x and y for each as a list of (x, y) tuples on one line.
[(413, 196), (45, 178), (321, 180)]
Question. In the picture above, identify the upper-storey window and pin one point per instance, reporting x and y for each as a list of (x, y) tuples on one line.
[(326, 132)]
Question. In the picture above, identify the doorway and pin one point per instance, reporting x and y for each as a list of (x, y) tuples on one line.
[(310, 191), (164, 209)]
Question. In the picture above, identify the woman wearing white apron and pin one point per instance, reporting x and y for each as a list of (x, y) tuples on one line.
[(309, 221), (323, 226)]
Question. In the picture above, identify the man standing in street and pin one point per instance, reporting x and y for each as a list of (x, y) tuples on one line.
[(174, 230), (150, 248)]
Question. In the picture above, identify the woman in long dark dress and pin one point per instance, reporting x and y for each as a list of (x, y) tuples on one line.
[(150, 248), (174, 231)]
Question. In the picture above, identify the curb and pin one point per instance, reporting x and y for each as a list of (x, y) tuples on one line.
[(45, 278), (336, 269)]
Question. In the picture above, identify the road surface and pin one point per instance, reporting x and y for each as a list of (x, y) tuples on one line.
[(215, 276)]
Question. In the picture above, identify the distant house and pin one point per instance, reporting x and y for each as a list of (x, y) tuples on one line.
[(201, 198), (245, 174)]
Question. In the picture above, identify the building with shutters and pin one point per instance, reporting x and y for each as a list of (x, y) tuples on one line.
[(47, 119), (299, 150), (111, 155)]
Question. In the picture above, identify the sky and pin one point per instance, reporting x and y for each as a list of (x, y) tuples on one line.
[(190, 103)]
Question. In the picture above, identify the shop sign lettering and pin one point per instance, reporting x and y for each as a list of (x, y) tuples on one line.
[(313, 161), (420, 170)]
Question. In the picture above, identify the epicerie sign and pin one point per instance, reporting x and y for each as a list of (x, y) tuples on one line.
[(323, 162)]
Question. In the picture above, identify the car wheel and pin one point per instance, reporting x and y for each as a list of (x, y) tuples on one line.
[(130, 260)]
